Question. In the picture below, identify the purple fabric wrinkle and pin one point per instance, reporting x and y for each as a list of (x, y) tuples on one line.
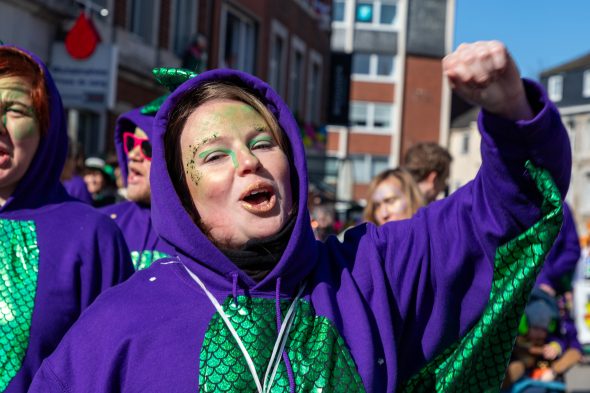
[(290, 373), (234, 279)]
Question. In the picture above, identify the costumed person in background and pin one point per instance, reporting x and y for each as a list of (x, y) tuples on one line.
[(196, 56), (56, 253), (112, 162), (323, 221), (100, 182), (392, 196), (546, 346), (430, 165), (70, 176), (253, 302), (132, 141)]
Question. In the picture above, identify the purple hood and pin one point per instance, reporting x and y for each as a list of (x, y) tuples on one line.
[(172, 222), (127, 122)]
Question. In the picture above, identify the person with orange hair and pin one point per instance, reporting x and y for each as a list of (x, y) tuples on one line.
[(56, 253)]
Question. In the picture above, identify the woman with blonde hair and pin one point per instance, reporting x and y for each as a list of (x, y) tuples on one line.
[(393, 195)]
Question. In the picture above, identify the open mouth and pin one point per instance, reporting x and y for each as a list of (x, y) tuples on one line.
[(133, 175), (4, 156), (259, 198)]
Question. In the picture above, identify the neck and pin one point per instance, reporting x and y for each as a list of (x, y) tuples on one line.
[(5, 193)]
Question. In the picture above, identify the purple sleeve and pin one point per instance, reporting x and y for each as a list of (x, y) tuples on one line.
[(561, 262), (47, 382), (440, 263), (570, 335)]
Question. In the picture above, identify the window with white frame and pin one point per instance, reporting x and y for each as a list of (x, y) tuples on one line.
[(373, 65), (382, 116), (378, 165), (338, 10), (359, 114), (183, 26), (376, 12), (361, 168), (296, 76), (239, 41), (366, 166), (142, 19), (331, 166), (278, 57), (371, 115), (314, 88), (586, 84), (555, 87)]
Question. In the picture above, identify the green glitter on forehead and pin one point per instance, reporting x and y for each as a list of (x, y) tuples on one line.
[(192, 171), (202, 142)]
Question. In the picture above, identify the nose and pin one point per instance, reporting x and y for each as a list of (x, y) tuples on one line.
[(246, 162), (382, 212), (135, 154)]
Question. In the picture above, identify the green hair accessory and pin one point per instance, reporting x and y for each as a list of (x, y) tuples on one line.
[(151, 108), (172, 77)]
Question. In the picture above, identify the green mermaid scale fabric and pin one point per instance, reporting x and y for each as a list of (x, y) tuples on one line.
[(19, 267), (477, 363), (144, 259), (318, 355)]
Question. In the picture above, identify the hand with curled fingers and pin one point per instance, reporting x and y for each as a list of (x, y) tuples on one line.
[(485, 74)]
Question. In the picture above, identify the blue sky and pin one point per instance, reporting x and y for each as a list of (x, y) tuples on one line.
[(540, 34)]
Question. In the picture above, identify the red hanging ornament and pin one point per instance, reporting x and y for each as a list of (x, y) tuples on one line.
[(82, 39)]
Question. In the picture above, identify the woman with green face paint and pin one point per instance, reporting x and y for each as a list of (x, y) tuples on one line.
[(56, 254), (251, 302)]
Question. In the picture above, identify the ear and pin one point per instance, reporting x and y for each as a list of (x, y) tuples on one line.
[(431, 178)]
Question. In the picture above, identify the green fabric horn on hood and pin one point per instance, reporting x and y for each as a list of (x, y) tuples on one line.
[(171, 78)]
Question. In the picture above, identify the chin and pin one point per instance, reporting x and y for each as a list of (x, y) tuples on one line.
[(138, 194), (267, 227)]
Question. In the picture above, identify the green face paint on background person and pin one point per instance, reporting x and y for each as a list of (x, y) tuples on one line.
[(19, 133)]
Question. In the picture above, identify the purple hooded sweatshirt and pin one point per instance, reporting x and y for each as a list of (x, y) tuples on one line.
[(56, 255), (134, 218), (562, 260), (77, 188), (372, 311)]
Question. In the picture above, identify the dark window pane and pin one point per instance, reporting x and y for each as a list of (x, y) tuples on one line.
[(388, 14), (385, 65), (338, 11), (361, 63)]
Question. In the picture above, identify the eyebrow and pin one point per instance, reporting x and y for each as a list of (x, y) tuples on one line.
[(203, 142), (16, 87)]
